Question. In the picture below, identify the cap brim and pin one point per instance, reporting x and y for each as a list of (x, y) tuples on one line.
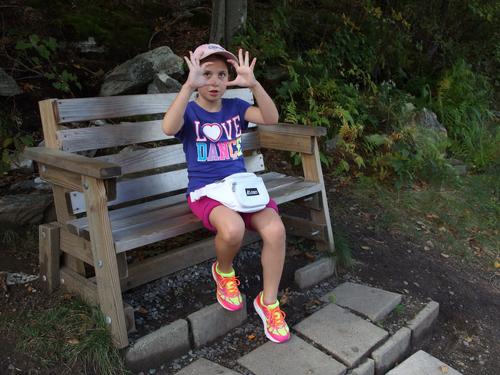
[(226, 54)]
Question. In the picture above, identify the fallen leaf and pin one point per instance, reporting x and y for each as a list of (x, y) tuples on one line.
[(142, 310), (365, 247), (309, 256), (73, 341), (432, 216), (444, 255), (251, 337), (497, 264), (443, 369), (442, 229)]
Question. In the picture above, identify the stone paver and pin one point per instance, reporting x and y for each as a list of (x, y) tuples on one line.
[(422, 363), (159, 346), (204, 367), (314, 272), (373, 303), (347, 336), (366, 368), (393, 350), (423, 322), (214, 321), (293, 357)]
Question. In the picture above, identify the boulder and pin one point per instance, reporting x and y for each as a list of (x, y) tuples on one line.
[(163, 83), (8, 86), (133, 76), (428, 131), (22, 209)]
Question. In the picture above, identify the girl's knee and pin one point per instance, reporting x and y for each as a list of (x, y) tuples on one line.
[(275, 231), (232, 232)]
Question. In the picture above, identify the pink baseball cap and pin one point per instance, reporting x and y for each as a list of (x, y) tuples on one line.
[(206, 50)]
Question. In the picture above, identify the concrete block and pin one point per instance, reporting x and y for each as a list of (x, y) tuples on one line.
[(204, 367), (293, 357), (366, 368), (214, 321), (129, 318), (422, 363), (348, 337), (392, 351), (314, 272), (422, 323), (372, 303), (158, 347)]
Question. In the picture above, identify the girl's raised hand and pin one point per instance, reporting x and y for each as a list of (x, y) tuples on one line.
[(196, 78), (244, 70)]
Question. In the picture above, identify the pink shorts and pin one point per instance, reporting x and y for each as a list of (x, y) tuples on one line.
[(204, 206)]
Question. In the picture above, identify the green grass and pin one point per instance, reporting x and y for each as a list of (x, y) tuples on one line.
[(71, 338), (459, 218)]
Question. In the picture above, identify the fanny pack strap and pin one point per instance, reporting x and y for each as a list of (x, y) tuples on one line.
[(198, 193)]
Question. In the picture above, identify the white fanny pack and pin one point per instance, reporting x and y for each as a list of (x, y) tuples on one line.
[(241, 192)]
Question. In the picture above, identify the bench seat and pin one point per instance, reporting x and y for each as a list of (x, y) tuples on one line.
[(149, 222)]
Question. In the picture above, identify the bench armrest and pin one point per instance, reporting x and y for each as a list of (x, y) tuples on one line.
[(293, 129), (289, 137), (72, 162)]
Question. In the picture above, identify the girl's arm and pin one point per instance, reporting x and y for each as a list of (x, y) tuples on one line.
[(265, 112), (174, 117)]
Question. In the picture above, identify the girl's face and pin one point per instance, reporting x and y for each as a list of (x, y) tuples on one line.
[(217, 76)]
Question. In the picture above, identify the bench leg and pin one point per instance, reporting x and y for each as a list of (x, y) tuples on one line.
[(311, 165), (49, 255), (105, 262)]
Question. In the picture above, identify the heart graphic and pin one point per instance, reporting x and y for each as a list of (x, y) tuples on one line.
[(212, 131)]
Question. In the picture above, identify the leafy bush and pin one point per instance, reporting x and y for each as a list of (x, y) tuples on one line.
[(12, 138)]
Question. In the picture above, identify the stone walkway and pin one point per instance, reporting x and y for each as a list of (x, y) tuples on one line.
[(343, 338)]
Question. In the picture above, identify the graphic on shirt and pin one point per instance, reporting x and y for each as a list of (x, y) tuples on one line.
[(210, 147)]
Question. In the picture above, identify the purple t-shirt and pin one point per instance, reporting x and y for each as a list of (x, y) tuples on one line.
[(212, 141)]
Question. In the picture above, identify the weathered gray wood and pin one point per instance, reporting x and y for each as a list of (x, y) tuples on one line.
[(78, 284), (105, 263), (49, 255), (304, 228), (72, 162), (84, 109), (139, 235), (175, 260), (147, 186), (311, 165), (76, 246), (79, 226), (293, 129)]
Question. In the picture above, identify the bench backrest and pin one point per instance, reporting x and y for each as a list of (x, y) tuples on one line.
[(157, 168)]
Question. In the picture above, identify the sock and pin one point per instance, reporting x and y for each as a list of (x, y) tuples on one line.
[(272, 305), (222, 273)]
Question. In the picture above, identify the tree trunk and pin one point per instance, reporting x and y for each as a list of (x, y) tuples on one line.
[(228, 17)]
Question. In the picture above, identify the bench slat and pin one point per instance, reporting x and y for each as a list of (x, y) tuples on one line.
[(85, 109), (165, 156), (147, 186)]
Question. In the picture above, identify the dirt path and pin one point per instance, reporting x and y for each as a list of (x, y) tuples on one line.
[(467, 336)]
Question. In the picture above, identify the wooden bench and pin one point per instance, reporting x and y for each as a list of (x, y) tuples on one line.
[(116, 202)]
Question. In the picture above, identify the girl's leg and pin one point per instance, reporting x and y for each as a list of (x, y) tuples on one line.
[(270, 227), (230, 231)]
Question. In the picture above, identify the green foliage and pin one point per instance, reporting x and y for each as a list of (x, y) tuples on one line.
[(12, 138), (363, 68), (38, 55), (463, 102), (342, 253)]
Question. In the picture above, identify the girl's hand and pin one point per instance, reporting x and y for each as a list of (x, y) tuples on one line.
[(196, 78), (244, 71)]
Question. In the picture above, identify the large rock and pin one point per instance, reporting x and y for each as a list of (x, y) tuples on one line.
[(22, 209), (428, 132), (163, 83), (133, 76), (8, 86)]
